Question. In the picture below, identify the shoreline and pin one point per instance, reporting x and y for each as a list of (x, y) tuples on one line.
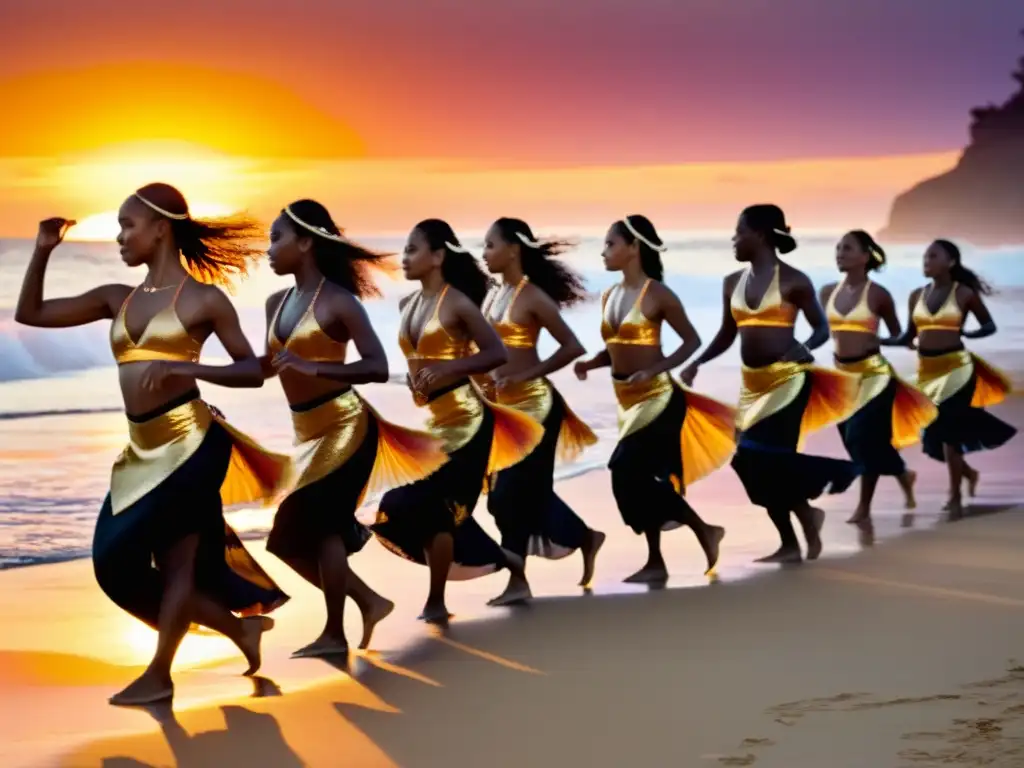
[(393, 702), (65, 646)]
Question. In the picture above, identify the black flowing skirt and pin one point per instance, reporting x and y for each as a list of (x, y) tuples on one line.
[(647, 470), (328, 506), (967, 428), (533, 520), (774, 474), (867, 435), (126, 546), (410, 516)]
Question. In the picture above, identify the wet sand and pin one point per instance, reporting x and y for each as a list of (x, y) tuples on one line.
[(901, 655)]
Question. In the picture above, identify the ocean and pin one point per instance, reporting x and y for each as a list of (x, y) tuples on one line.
[(61, 424)]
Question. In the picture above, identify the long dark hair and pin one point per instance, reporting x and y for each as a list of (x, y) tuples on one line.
[(538, 258), (343, 262), (962, 274), (770, 222), (650, 259), (876, 256), (215, 250), (459, 269)]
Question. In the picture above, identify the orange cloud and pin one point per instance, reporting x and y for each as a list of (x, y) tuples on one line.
[(69, 111)]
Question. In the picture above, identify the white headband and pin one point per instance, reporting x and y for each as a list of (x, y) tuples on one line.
[(161, 211), (527, 241), (641, 238), (320, 231), (456, 248)]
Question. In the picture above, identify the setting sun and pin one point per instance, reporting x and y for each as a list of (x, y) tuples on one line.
[(101, 227)]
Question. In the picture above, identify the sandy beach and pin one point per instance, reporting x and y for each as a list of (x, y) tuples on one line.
[(892, 652)]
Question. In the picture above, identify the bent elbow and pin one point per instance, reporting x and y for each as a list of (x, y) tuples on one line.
[(24, 317), (500, 356), (575, 350), (379, 376)]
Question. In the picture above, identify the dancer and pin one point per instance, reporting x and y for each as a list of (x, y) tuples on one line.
[(784, 396), (162, 551), (890, 413), (430, 522), (669, 437), (345, 450), (959, 382), (530, 515)]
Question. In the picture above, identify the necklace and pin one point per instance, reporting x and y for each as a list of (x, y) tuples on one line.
[(151, 289)]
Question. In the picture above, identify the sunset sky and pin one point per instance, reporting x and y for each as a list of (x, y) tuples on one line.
[(567, 112)]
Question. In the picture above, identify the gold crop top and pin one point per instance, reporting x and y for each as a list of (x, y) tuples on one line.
[(434, 342), (307, 339), (513, 335), (948, 317), (635, 329), (164, 337), (772, 312), (860, 319)]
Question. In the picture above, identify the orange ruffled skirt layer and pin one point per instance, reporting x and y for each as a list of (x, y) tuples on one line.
[(480, 438)]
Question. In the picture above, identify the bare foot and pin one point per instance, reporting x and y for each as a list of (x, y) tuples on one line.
[(372, 616), (972, 476), (595, 540), (955, 508), (860, 515), (150, 688), (253, 628), (782, 555), (866, 534), (649, 574), (325, 645), (715, 534), (517, 591), (814, 534), (907, 484), (435, 614)]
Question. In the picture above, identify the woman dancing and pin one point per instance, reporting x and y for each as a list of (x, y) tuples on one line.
[(162, 551), (959, 382), (345, 450), (784, 397), (530, 515), (890, 413), (669, 437), (430, 522)]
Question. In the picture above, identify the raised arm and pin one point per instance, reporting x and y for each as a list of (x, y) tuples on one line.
[(726, 332), (671, 310), (548, 316), (975, 305), (101, 303), (906, 339), (347, 316)]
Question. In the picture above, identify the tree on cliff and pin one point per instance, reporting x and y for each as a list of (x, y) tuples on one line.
[(981, 200)]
